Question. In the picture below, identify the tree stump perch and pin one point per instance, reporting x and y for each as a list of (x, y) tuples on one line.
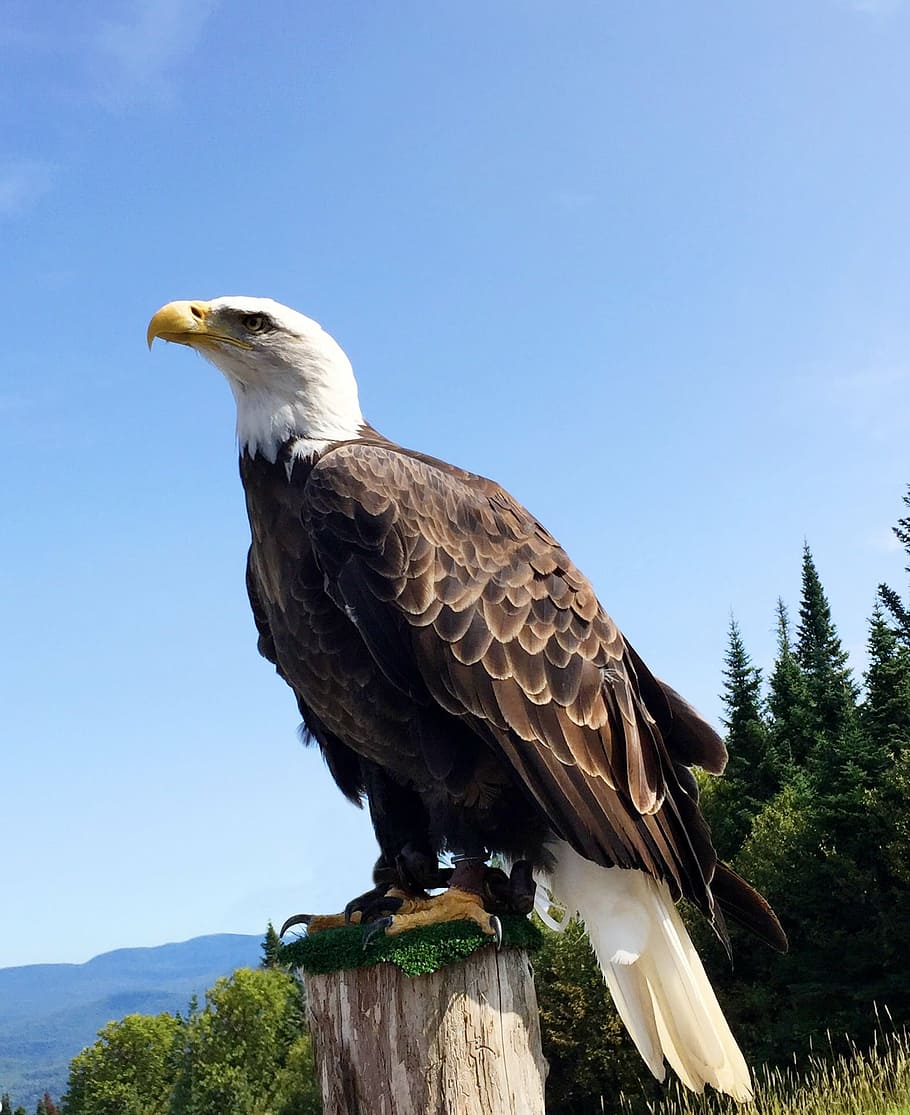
[(461, 1040)]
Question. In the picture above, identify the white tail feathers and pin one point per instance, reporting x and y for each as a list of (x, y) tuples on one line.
[(652, 970)]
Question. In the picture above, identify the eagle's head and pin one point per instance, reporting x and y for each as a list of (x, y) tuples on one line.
[(291, 380)]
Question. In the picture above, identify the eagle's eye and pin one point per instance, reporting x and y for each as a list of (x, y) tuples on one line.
[(254, 323)]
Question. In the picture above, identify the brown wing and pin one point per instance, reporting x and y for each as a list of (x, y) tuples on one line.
[(460, 593), (344, 764)]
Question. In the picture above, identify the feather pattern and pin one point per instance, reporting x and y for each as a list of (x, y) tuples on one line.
[(514, 642)]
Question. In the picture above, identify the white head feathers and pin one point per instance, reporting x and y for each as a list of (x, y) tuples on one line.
[(291, 380)]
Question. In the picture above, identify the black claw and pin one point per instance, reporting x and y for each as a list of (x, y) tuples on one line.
[(373, 930), (355, 905), (372, 905), (294, 919), (370, 911), (496, 926)]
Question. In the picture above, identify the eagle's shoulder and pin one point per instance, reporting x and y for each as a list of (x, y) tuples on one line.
[(379, 485), (383, 465)]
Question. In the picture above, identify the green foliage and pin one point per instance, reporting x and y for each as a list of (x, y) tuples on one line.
[(236, 1051), (830, 690), (6, 1108), (899, 612), (886, 709), (246, 1051), (416, 953), (730, 804), (128, 1071), (787, 697), (271, 946)]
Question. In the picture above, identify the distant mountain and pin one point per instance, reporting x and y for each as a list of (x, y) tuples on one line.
[(48, 1012)]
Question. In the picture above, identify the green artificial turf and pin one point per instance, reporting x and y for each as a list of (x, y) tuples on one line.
[(416, 953)]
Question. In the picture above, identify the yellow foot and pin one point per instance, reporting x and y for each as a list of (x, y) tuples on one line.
[(316, 923), (453, 904)]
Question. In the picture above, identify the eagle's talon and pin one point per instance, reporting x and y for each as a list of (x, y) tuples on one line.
[(371, 911), (359, 904), (295, 919), (373, 930), (496, 926)]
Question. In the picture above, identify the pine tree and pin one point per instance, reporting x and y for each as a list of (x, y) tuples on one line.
[(830, 688), (886, 718), (271, 945), (742, 686), (787, 698), (900, 612), (751, 778), (815, 849), (6, 1108), (886, 707)]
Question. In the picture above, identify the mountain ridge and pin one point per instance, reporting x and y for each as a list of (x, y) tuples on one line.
[(49, 1012)]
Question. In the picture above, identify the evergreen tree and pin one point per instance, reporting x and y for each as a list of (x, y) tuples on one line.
[(731, 803), (271, 943), (787, 699), (829, 687), (886, 708), (886, 718), (817, 849), (6, 1108), (900, 612), (742, 685)]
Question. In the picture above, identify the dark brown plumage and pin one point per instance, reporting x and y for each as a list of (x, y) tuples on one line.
[(437, 636)]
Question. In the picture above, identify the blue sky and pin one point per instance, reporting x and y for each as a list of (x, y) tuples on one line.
[(644, 264)]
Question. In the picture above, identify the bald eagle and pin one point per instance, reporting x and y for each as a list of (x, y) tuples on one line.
[(459, 674)]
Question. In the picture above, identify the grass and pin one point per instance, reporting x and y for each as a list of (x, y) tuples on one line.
[(417, 952), (875, 1081)]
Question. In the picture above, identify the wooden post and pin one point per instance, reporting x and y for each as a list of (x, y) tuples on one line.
[(463, 1040)]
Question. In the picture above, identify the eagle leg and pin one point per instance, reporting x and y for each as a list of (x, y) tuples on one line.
[(414, 872), (367, 907), (510, 894), (463, 900), (453, 904), (401, 884)]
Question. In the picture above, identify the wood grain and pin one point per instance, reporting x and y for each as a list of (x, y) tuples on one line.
[(464, 1040)]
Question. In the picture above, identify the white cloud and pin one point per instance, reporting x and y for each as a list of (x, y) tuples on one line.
[(135, 53), (22, 183)]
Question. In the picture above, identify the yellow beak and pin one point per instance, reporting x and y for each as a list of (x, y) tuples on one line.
[(188, 323), (180, 322)]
